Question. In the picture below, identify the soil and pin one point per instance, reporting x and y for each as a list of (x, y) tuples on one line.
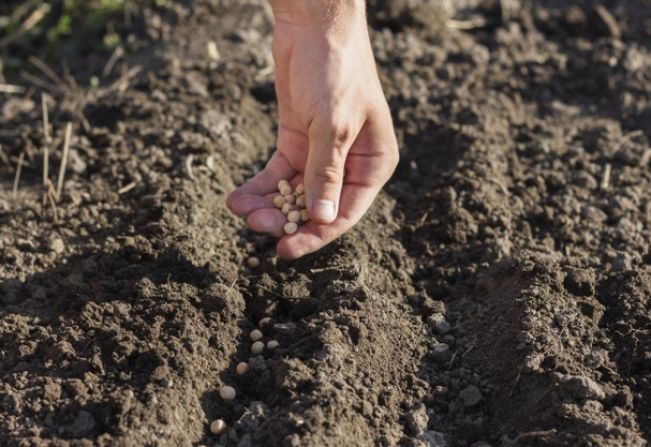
[(498, 292)]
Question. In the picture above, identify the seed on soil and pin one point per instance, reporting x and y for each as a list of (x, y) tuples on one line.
[(253, 262), (272, 344), (257, 347), (287, 207), (217, 427), (227, 392), (284, 187), (242, 368), (290, 198), (294, 216), (291, 228), (279, 201), (256, 334)]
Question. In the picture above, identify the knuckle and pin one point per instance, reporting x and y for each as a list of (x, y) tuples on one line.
[(328, 175)]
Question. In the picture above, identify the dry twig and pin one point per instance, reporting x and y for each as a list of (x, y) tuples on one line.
[(64, 160), (27, 25), (19, 169)]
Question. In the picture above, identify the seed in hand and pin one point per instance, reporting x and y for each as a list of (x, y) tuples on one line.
[(291, 228), (284, 187), (294, 216), (305, 215), (287, 207), (279, 201), (300, 201), (290, 198)]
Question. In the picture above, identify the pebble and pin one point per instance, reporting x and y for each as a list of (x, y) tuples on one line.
[(438, 324), (217, 427), (227, 392), (470, 396), (417, 420), (257, 347)]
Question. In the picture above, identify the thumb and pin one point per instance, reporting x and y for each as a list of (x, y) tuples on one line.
[(324, 170)]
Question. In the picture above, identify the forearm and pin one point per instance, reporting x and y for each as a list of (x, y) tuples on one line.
[(303, 12)]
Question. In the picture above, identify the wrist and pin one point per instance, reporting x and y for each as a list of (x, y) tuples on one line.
[(319, 12)]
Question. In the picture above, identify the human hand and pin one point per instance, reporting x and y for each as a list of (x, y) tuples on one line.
[(335, 133)]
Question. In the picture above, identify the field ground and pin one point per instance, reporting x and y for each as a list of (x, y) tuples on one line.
[(498, 293)]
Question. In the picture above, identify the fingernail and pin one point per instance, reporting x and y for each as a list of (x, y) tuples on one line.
[(324, 210)]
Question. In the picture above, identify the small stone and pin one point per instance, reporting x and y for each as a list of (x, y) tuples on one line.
[(441, 352), (257, 347), (57, 245), (438, 324), (227, 392), (217, 427), (417, 420), (470, 396), (434, 439)]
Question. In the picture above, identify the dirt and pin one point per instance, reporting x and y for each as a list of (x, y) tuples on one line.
[(498, 292)]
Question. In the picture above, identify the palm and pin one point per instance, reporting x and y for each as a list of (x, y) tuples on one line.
[(304, 88)]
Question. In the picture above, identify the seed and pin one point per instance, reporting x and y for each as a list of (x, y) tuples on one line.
[(279, 201), (300, 201), (256, 334), (287, 207), (290, 227), (227, 392), (300, 189), (284, 188), (257, 347), (217, 426), (253, 262), (242, 368), (294, 216), (305, 215), (272, 344), (290, 198)]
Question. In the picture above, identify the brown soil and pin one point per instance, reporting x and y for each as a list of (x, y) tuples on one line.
[(498, 293)]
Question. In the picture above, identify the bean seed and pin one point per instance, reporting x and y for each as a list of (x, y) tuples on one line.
[(227, 392), (290, 198), (284, 187), (242, 368), (253, 262), (300, 189), (300, 201), (272, 344), (257, 347), (291, 228), (256, 334), (287, 207), (294, 216), (305, 215), (217, 427), (279, 201)]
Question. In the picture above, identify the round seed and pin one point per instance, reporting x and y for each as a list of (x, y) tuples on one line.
[(284, 188), (217, 427), (300, 189), (294, 216), (272, 344), (257, 347), (242, 368), (227, 392), (291, 228), (300, 201), (279, 201), (290, 198), (305, 215), (287, 207), (256, 334), (253, 262)]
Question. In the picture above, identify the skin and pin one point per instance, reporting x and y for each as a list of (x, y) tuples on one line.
[(335, 133)]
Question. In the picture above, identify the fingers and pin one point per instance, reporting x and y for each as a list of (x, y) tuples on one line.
[(265, 181), (355, 201), (245, 204), (324, 169), (267, 220)]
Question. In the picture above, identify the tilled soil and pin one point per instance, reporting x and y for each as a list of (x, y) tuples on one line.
[(498, 292)]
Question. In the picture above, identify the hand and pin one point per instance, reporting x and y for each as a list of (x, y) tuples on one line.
[(335, 133)]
